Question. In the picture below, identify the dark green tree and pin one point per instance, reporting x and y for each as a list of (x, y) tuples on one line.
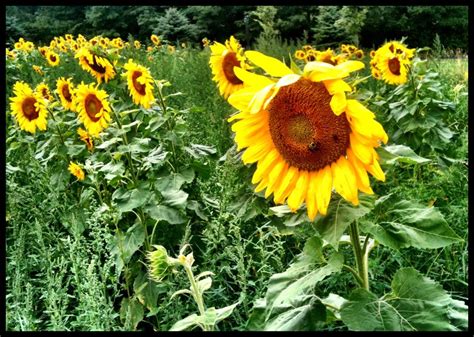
[(174, 26)]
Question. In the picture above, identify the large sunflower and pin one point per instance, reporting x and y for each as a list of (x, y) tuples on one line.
[(65, 91), (92, 107), (97, 66), (223, 60), (303, 133), (28, 108), (140, 83)]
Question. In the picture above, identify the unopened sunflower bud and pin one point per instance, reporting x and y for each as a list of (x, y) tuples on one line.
[(160, 264)]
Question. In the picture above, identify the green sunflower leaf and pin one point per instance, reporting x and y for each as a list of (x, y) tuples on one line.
[(340, 215), (399, 153), (416, 303), (409, 224)]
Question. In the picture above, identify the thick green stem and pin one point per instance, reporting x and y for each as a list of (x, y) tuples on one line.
[(60, 134), (197, 295), (361, 256)]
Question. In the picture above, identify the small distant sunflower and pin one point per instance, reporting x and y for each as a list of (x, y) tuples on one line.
[(392, 61), (222, 61), (86, 138), (303, 133), (307, 47), (205, 42), (76, 171), (93, 108), (300, 54), (137, 44), (140, 83), (43, 89), (155, 39), (97, 66), (52, 57), (310, 55), (38, 70), (326, 56), (65, 90), (28, 108), (43, 50), (359, 53)]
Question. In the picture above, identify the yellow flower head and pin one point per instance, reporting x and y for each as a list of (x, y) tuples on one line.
[(65, 91), (28, 108), (171, 49), (326, 56), (155, 39), (86, 138), (205, 42), (96, 65), (43, 89), (137, 44), (304, 134), (76, 171), (223, 61), (52, 57), (93, 108), (310, 55), (140, 83), (38, 70), (300, 54), (391, 62)]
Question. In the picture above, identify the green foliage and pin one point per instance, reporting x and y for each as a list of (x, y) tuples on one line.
[(174, 26), (416, 303)]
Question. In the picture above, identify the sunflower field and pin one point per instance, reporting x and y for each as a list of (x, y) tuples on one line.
[(154, 185)]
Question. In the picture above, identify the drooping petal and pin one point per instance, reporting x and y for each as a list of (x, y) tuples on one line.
[(298, 194), (271, 65)]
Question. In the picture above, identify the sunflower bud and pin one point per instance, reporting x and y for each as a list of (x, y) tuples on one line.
[(160, 264)]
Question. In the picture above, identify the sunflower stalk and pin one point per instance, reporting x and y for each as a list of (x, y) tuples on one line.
[(361, 255), (59, 134)]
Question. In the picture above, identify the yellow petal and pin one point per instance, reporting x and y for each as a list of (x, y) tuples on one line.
[(334, 86), (257, 101), (362, 177), (324, 182), (375, 170), (241, 98), (311, 203), (287, 80), (274, 177), (271, 65), (255, 152), (350, 66), (252, 79), (264, 166), (362, 152), (317, 66), (338, 103), (286, 185), (299, 192), (263, 183), (331, 74), (357, 110), (344, 180)]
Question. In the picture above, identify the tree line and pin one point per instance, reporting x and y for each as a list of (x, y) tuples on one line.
[(365, 26)]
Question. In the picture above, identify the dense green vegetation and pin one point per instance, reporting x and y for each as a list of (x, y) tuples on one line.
[(65, 266)]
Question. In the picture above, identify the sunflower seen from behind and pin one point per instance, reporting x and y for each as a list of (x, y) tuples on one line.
[(98, 66), (304, 134), (140, 83), (92, 107), (222, 61), (28, 108), (86, 138)]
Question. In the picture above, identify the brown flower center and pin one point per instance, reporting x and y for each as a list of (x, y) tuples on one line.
[(230, 61), (303, 127), (394, 66), (52, 58), (29, 109), (93, 106), (140, 88), (66, 93)]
